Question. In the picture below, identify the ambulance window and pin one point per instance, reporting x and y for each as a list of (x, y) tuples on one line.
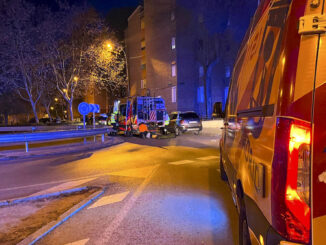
[(134, 108), (140, 111), (123, 109), (173, 116)]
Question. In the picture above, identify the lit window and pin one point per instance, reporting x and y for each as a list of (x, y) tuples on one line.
[(173, 43), (143, 83), (227, 72), (172, 16), (201, 71), (174, 69), (200, 94), (174, 94), (142, 24), (143, 44)]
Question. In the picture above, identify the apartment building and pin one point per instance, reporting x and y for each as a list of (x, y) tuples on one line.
[(180, 50)]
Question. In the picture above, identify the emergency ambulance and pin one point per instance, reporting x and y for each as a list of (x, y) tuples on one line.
[(132, 112), (273, 147)]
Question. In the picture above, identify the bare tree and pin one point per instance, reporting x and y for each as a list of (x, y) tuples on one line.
[(70, 58), (19, 48), (207, 53)]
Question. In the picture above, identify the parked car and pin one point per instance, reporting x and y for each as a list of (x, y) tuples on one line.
[(181, 122), (273, 146), (102, 119), (45, 120)]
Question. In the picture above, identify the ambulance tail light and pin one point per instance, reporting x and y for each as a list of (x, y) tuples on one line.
[(291, 180)]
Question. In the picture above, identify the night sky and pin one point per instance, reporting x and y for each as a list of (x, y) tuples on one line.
[(106, 5), (102, 6)]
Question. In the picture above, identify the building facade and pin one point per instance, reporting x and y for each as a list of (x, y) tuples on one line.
[(183, 51)]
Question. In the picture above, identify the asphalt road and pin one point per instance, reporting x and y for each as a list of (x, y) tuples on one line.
[(164, 191)]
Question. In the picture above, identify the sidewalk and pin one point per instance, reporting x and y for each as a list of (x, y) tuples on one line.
[(47, 149)]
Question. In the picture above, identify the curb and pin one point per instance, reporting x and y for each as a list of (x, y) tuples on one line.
[(44, 196), (45, 230), (81, 149)]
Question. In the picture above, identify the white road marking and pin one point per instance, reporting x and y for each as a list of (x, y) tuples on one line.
[(208, 158), (114, 225), (80, 242), (64, 186), (181, 162), (110, 199), (134, 172)]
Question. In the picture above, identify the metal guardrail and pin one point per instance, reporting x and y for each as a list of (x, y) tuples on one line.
[(46, 128), (51, 136)]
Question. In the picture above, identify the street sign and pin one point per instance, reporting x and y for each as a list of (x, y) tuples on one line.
[(83, 108), (94, 108)]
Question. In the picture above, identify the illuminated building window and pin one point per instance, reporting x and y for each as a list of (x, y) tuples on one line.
[(173, 43), (174, 69), (174, 94), (172, 16), (201, 71), (142, 24), (143, 83), (200, 94), (227, 72), (143, 44)]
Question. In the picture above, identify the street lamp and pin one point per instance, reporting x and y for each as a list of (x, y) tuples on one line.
[(76, 78), (56, 99), (109, 45)]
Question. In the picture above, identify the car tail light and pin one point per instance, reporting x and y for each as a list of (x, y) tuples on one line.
[(291, 180)]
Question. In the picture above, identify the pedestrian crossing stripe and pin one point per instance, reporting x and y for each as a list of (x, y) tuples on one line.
[(80, 242), (181, 162), (208, 158), (106, 200)]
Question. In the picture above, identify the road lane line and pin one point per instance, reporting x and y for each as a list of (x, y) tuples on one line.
[(208, 158), (64, 186), (181, 162), (80, 242), (114, 225), (134, 172), (106, 200)]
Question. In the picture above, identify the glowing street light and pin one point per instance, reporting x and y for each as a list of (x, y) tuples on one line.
[(109, 46), (65, 90), (56, 99), (52, 108), (76, 79)]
